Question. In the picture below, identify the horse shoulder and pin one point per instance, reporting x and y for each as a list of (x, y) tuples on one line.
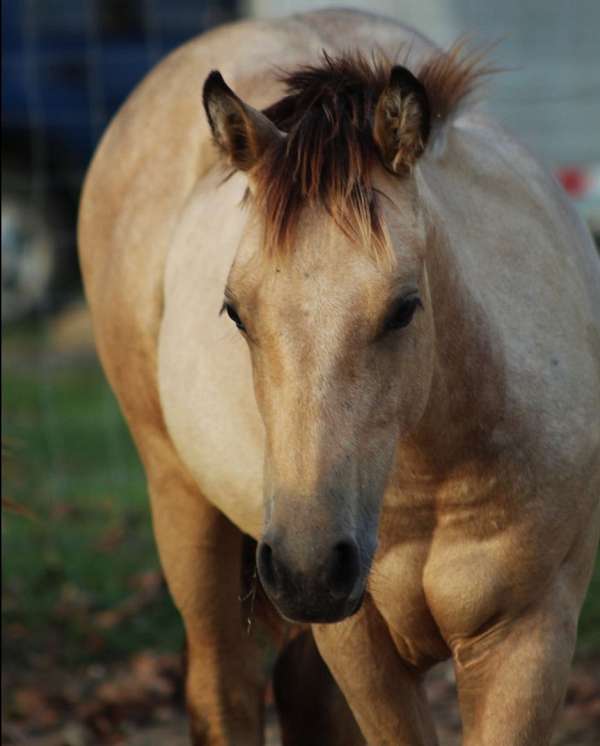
[(204, 374)]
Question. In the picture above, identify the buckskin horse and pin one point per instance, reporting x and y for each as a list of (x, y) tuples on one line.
[(407, 417)]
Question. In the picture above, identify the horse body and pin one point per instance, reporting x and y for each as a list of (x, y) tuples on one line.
[(489, 516)]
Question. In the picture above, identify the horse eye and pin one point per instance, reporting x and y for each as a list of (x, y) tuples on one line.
[(402, 314), (234, 316)]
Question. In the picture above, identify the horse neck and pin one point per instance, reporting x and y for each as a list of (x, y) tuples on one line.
[(466, 401)]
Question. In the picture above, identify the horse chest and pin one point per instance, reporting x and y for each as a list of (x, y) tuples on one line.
[(438, 579), (397, 591), (431, 594)]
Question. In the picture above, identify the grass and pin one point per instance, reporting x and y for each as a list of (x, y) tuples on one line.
[(87, 539), (83, 542), (589, 623)]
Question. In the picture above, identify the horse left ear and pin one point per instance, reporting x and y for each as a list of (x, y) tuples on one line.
[(242, 133), (402, 121)]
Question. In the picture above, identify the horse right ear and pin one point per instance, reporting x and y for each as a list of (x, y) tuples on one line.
[(402, 121), (241, 132)]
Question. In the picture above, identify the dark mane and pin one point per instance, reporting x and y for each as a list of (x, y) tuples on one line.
[(328, 155)]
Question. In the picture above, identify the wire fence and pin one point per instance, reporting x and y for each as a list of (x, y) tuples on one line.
[(66, 68), (77, 536)]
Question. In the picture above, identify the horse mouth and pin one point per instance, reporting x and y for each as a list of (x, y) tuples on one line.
[(328, 611)]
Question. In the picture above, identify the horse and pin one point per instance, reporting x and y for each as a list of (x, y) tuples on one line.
[(354, 328)]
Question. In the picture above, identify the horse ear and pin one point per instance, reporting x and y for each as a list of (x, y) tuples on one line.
[(242, 133), (402, 121)]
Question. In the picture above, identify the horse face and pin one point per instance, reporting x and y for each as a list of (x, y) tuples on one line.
[(341, 344), (341, 349)]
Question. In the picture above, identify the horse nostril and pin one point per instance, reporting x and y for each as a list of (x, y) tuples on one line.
[(343, 569), (266, 566)]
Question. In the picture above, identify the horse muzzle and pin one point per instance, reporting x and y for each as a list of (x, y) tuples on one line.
[(315, 584)]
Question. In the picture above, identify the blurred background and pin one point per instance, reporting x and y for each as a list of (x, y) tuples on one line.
[(91, 643)]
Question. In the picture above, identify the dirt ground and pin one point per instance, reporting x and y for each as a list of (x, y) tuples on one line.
[(141, 705)]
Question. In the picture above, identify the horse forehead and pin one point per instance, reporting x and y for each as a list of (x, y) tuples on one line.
[(315, 283), (324, 271), (336, 273)]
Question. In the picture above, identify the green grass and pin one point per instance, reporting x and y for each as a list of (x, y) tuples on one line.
[(85, 535), (70, 463), (589, 623)]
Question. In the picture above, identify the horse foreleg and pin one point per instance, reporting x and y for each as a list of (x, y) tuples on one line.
[(512, 678), (201, 553), (384, 693)]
